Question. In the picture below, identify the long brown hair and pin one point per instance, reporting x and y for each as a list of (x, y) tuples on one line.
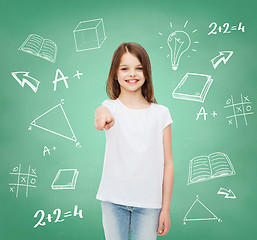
[(113, 86)]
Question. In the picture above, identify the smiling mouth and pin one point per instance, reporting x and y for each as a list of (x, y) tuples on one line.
[(131, 80)]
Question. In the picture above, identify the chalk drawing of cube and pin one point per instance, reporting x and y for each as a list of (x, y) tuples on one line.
[(89, 35)]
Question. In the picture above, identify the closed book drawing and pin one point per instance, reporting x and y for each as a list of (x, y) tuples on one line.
[(38, 46), (65, 179), (203, 168), (193, 87)]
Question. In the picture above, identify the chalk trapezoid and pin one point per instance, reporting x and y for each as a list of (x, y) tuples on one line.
[(205, 213), (58, 115)]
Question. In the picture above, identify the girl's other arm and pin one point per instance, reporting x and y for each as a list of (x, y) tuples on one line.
[(167, 186), (103, 118)]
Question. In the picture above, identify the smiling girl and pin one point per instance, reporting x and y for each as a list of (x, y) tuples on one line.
[(137, 179)]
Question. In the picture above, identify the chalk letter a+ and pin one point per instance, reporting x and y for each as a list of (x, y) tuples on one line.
[(58, 71)]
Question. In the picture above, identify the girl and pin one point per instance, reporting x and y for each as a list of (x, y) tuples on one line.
[(137, 179)]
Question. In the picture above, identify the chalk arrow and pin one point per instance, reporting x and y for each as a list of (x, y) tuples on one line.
[(223, 57), (25, 78), (228, 193)]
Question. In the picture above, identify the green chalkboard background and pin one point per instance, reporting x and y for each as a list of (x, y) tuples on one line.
[(149, 24)]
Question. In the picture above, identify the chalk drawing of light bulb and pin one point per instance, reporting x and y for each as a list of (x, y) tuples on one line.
[(178, 42)]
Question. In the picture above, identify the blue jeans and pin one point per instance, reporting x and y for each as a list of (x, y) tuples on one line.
[(119, 221)]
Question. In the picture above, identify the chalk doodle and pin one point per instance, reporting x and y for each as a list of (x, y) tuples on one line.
[(199, 212), (225, 28), (89, 35), (178, 42), (59, 76), (23, 78), (238, 110), (48, 150), (52, 119), (38, 46), (65, 179), (57, 214), (193, 87), (227, 192), (58, 79), (203, 113), (22, 180), (203, 168), (223, 56), (214, 114), (78, 74)]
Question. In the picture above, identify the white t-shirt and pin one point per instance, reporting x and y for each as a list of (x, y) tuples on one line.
[(134, 157)]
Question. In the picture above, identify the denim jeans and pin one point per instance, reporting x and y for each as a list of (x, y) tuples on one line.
[(120, 222)]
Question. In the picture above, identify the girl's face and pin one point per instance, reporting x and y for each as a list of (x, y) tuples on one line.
[(130, 74)]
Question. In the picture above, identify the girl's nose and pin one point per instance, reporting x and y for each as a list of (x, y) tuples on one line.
[(132, 73)]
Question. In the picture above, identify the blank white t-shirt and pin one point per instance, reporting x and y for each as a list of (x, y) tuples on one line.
[(134, 157)]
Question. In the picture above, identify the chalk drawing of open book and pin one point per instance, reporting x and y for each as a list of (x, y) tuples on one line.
[(38, 46), (203, 168)]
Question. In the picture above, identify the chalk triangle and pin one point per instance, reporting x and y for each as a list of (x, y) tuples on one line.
[(199, 212), (55, 121)]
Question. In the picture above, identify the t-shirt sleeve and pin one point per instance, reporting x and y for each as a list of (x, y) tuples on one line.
[(167, 120), (110, 104)]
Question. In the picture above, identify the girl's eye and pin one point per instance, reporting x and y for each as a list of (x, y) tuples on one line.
[(140, 68), (124, 69)]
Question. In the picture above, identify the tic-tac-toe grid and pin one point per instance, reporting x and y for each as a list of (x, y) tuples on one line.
[(240, 109), (25, 180)]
